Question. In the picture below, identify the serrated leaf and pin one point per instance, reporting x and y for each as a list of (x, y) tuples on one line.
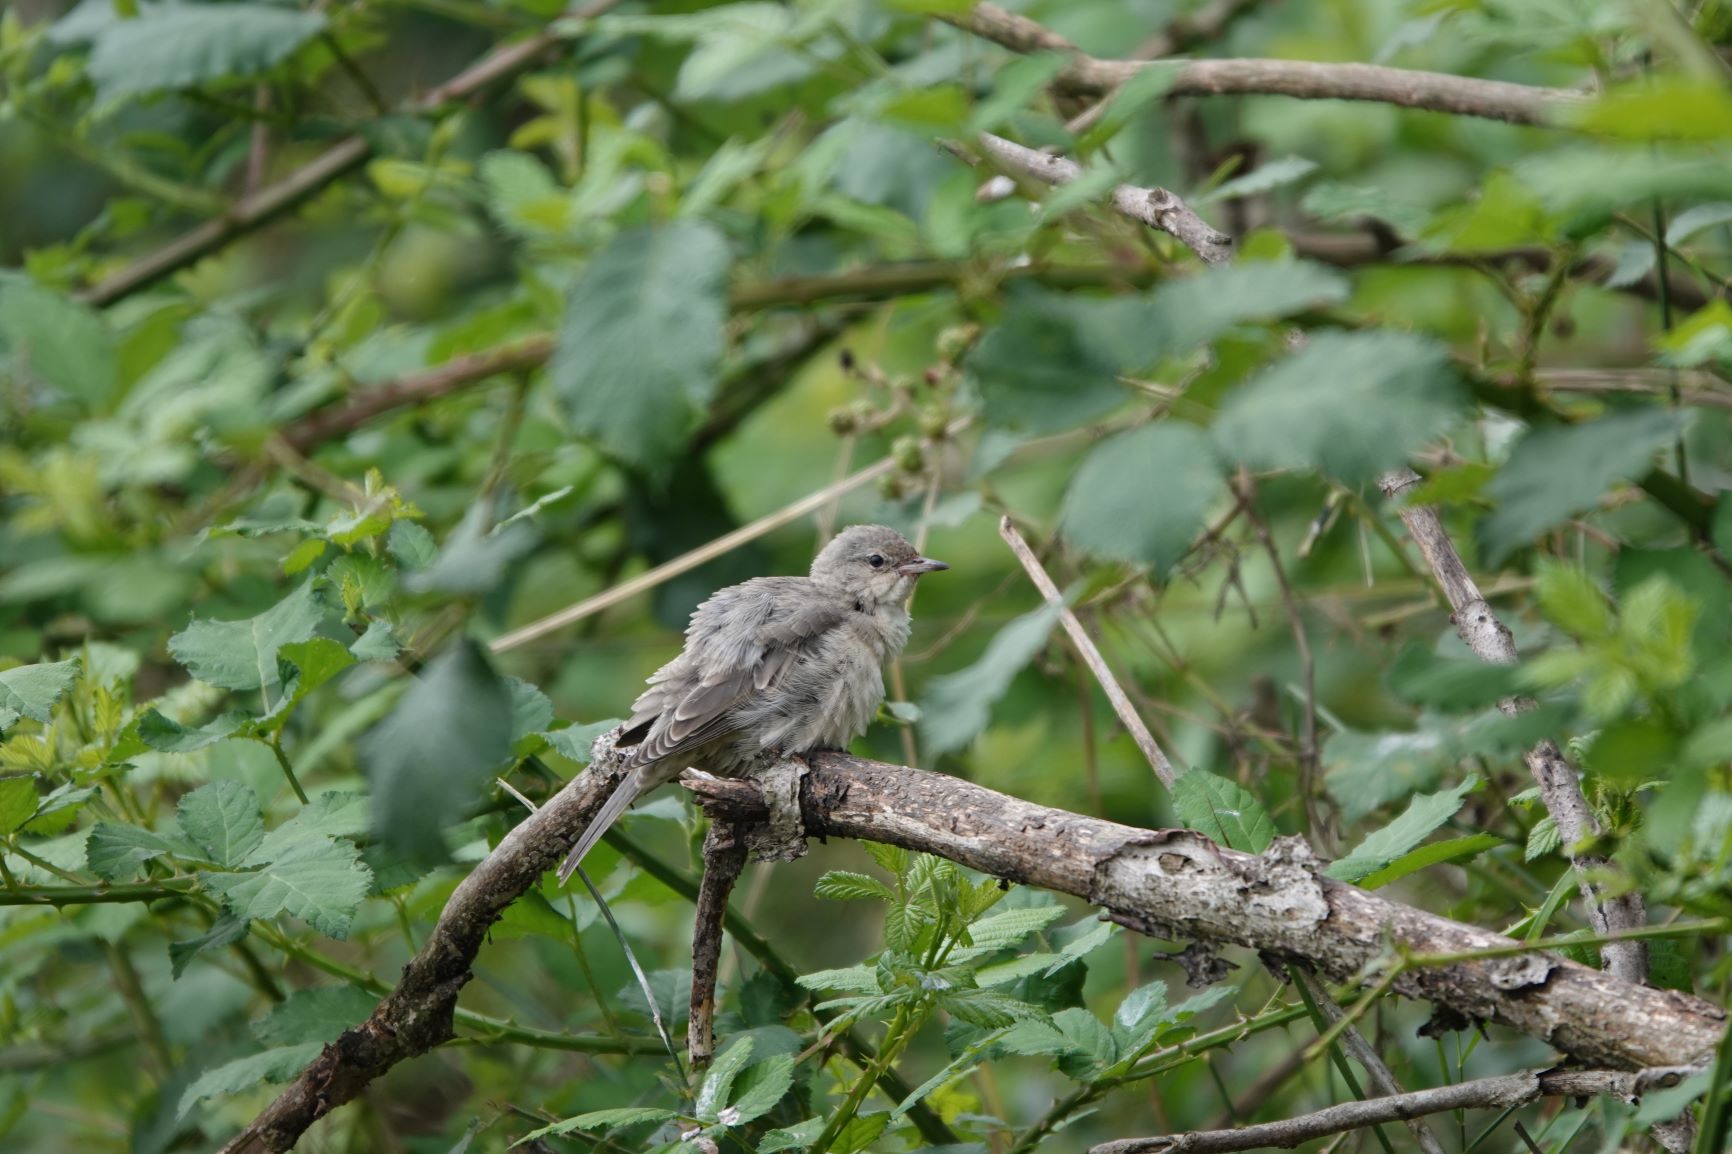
[(18, 798), (31, 690), (378, 643), (766, 1082), (1108, 508), (1426, 677), (641, 340), (796, 1137), (169, 736), (190, 44), (849, 979), (531, 710), (475, 558), (243, 654), (713, 1094), (242, 1074), (1041, 368), (988, 1009), (1416, 823), (116, 852), (892, 859), (318, 880), (599, 1121), (1570, 600), (1426, 856), (1009, 927), (846, 886), (957, 706), (316, 1015), (1347, 404), (1092, 1048), (57, 340), (411, 544), (428, 759), (1196, 310), (1223, 811), (1557, 471), (223, 818), (225, 931)]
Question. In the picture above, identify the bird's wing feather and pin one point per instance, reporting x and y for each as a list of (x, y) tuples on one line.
[(742, 641)]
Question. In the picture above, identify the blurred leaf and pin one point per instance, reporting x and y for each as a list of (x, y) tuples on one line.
[(1040, 368), (191, 44), (427, 761), (1331, 202), (223, 818), (243, 1074), (474, 559), (957, 706), (225, 931), (1696, 219), (243, 654), (1416, 823), (316, 1015), (641, 340), (1570, 600), (1141, 496), (1134, 94), (1425, 677), (1264, 178), (1347, 404), (1505, 213), (1222, 811), (575, 741), (1014, 87), (56, 340), (17, 802), (1557, 471), (31, 690), (1666, 107), (170, 736), (1197, 309), (1631, 752)]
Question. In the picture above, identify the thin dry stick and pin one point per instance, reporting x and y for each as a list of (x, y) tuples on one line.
[(1561, 792), (1090, 654), (1155, 207), (1184, 32), (1506, 1092), (1361, 1051)]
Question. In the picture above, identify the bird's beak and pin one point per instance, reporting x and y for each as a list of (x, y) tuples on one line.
[(921, 565)]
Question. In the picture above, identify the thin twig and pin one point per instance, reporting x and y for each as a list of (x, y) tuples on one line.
[(706, 552), (1510, 1090), (1185, 31), (724, 857), (1491, 641), (1090, 654)]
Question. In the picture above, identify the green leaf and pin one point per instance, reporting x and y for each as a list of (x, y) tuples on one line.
[(18, 798), (796, 1137), (1223, 811), (1632, 751), (378, 643), (1107, 510), (1543, 838), (1348, 404), (531, 710), (845, 886), (713, 1094), (574, 741), (1264, 178), (1455, 684), (1139, 90), (223, 818), (31, 690), (243, 1074), (642, 338), (116, 852), (1423, 815), (316, 1015), (1454, 849), (318, 880), (1662, 107), (1196, 310), (958, 705), (764, 1085), (1571, 601), (853, 979), (1696, 219), (1557, 471), (600, 1121), (1014, 86), (427, 760), (1092, 1047), (225, 931), (56, 340), (1009, 927), (243, 654), (191, 44), (411, 545), (1332, 202), (1040, 368), (170, 736)]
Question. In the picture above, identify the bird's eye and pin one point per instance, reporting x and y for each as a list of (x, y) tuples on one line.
[(876, 561)]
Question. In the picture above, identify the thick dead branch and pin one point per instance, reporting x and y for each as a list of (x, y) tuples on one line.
[(1090, 654), (1155, 207), (724, 857), (1179, 885), (1301, 79), (1561, 792), (1509, 1091)]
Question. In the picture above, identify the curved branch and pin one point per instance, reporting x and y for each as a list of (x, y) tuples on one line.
[(1301, 79)]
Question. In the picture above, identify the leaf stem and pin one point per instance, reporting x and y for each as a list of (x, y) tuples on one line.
[(276, 744)]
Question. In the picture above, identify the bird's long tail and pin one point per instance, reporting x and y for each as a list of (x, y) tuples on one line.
[(617, 803)]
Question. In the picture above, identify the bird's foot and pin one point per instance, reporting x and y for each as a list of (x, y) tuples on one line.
[(782, 836)]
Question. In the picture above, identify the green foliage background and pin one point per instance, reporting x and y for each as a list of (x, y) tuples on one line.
[(261, 514)]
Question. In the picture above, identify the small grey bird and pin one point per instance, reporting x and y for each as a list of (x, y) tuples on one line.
[(776, 665)]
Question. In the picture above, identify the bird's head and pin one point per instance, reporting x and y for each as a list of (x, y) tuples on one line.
[(873, 564)]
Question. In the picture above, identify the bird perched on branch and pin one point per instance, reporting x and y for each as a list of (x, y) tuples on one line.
[(775, 666)]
